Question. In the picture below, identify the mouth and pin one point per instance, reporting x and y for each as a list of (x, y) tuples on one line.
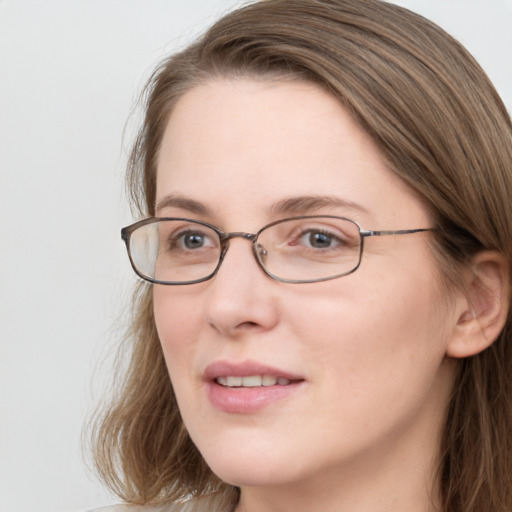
[(248, 386), (248, 374), (253, 381)]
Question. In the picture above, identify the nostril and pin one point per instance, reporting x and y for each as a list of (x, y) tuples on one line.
[(247, 325)]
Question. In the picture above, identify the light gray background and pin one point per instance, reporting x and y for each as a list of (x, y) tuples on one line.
[(70, 71)]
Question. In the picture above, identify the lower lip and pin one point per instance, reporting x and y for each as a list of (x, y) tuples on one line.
[(247, 400)]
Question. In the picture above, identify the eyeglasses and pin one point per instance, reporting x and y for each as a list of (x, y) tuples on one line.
[(306, 249)]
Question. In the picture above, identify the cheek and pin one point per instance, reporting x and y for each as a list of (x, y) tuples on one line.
[(374, 355), (178, 323), (389, 330)]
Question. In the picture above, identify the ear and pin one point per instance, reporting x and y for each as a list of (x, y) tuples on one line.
[(482, 307)]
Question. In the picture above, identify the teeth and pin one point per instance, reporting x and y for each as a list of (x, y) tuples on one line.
[(234, 381), (223, 381), (252, 381), (268, 380)]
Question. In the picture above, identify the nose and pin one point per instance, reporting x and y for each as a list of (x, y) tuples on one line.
[(241, 298)]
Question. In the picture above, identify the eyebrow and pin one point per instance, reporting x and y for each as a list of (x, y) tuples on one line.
[(183, 203), (307, 204)]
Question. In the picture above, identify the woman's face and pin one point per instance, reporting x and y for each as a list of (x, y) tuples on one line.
[(363, 356)]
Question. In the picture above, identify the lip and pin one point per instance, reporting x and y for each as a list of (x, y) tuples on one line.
[(245, 369), (242, 400)]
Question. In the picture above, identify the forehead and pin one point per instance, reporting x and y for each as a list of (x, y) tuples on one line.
[(243, 144), (262, 118)]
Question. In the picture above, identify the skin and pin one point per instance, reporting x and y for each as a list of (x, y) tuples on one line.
[(361, 433)]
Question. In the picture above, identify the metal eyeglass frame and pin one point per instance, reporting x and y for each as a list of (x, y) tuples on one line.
[(224, 239)]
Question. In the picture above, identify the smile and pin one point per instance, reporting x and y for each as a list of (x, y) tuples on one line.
[(252, 381)]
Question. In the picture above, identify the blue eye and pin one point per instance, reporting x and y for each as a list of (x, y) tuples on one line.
[(190, 240), (319, 240), (193, 240)]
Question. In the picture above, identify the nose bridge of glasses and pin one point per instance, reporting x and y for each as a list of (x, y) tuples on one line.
[(239, 234), (259, 252)]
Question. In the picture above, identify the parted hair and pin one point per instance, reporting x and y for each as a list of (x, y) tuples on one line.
[(441, 127)]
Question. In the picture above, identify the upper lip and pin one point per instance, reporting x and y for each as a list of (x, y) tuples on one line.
[(245, 369)]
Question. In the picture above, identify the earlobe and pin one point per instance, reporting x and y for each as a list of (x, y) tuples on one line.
[(483, 307)]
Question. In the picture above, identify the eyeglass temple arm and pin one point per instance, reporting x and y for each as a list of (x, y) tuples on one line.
[(368, 232)]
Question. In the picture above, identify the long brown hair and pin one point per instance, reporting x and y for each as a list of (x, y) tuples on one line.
[(442, 128)]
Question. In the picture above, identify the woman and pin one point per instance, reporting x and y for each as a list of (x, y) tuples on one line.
[(328, 240)]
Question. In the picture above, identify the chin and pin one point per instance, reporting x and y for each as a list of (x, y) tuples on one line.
[(248, 475), (251, 466)]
